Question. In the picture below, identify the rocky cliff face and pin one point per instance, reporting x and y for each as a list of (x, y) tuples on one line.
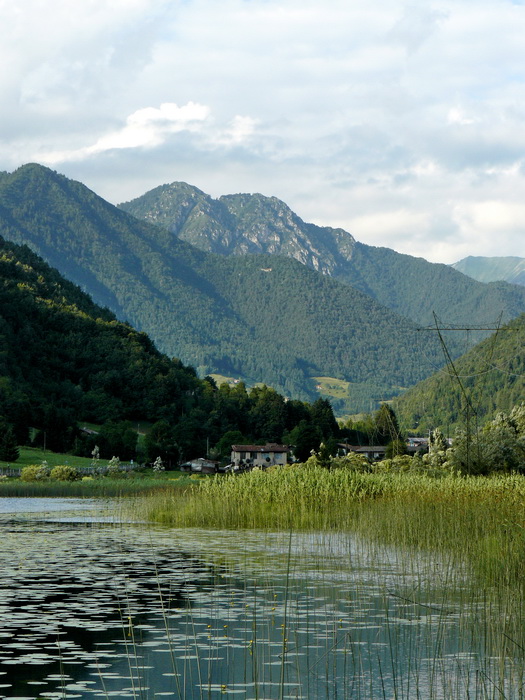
[(240, 224)]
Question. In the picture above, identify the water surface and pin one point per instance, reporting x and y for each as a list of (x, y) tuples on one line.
[(94, 608)]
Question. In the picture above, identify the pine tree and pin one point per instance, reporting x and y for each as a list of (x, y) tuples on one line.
[(386, 426), (9, 451)]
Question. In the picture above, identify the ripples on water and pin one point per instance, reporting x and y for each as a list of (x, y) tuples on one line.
[(91, 608)]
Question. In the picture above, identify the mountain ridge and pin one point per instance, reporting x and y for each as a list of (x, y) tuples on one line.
[(492, 376), (259, 317), (241, 224), (489, 269)]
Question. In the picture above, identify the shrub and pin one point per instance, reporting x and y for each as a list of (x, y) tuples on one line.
[(114, 466), (64, 472), (400, 463), (352, 461), (158, 465), (35, 472)]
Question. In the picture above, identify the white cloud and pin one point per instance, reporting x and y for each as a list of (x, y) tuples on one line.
[(457, 116), (478, 218), (151, 127)]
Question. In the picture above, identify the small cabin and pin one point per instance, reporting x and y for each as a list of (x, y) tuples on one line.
[(249, 456)]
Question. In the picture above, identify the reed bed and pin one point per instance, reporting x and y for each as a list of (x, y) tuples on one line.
[(475, 524), (476, 519)]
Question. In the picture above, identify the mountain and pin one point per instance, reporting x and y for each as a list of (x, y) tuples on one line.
[(259, 317), (242, 224), (510, 269), (491, 375)]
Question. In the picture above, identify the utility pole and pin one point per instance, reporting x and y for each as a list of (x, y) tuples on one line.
[(470, 411)]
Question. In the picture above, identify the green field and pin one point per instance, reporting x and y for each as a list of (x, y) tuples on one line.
[(35, 455), (330, 386)]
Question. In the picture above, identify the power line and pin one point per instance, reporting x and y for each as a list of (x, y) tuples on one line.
[(470, 410)]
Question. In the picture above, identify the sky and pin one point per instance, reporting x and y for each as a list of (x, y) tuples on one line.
[(401, 122)]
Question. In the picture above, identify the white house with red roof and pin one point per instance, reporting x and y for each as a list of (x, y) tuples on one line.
[(259, 455)]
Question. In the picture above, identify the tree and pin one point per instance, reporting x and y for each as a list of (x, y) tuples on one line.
[(323, 416), (161, 441), (118, 438), (386, 426), (9, 451), (395, 448), (498, 446), (224, 446), (305, 438), (267, 413)]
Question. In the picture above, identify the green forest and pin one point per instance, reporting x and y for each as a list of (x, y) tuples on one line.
[(244, 224), (260, 318)]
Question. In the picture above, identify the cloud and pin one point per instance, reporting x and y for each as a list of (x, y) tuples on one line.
[(416, 25), (393, 120), (146, 128), (151, 127)]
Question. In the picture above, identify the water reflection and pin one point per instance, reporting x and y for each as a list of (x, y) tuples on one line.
[(93, 609)]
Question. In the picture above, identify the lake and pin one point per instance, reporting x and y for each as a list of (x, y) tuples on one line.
[(92, 607)]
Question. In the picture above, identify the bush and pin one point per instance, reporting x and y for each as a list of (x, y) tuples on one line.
[(64, 472), (352, 462), (400, 463), (35, 472)]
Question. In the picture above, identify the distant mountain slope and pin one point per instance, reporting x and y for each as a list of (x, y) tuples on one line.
[(509, 269), (241, 224), (260, 318), (492, 374), (65, 359)]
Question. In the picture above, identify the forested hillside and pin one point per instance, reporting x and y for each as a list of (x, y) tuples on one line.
[(64, 360), (491, 376), (243, 224), (260, 318)]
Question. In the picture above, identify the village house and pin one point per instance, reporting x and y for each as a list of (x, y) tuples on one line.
[(259, 455)]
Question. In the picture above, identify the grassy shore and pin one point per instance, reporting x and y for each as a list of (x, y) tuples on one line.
[(103, 487), (126, 484)]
